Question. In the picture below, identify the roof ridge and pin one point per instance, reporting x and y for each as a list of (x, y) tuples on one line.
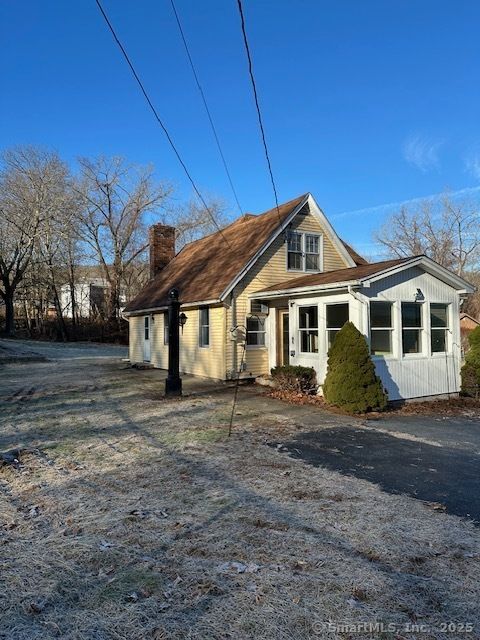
[(245, 219)]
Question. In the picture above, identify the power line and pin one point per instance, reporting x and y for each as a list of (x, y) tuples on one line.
[(202, 94), (172, 144), (157, 117), (257, 104)]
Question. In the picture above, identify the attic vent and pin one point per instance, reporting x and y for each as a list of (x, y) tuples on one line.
[(305, 210), (258, 307)]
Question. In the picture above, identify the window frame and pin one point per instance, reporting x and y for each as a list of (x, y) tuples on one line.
[(260, 331), (421, 329), (303, 252), (308, 330), (166, 328), (146, 328), (202, 325), (391, 329), (446, 329), (328, 346)]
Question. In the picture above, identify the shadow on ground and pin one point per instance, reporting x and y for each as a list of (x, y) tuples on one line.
[(439, 474)]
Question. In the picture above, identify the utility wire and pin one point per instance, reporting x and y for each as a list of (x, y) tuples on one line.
[(204, 100), (187, 173), (169, 138), (257, 105), (157, 117)]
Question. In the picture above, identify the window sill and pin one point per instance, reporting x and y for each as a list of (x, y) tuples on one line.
[(255, 347)]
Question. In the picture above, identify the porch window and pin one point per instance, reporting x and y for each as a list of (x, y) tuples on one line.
[(381, 328), (146, 325), (412, 327), (165, 327), (204, 326), (312, 253), (337, 316), (438, 327), (295, 253), (256, 332), (308, 327)]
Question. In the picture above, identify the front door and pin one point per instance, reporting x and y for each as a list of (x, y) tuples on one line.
[(146, 339), (283, 338)]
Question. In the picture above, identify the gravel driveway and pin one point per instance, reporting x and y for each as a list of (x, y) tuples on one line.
[(59, 350)]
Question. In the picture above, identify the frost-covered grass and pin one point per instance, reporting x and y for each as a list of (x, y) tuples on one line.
[(131, 519)]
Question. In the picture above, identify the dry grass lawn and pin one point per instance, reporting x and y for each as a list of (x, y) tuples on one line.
[(130, 517)]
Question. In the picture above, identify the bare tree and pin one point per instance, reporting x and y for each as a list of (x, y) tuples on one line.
[(32, 183), (447, 231), (193, 221), (116, 199)]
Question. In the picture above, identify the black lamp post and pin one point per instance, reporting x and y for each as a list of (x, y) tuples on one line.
[(173, 383)]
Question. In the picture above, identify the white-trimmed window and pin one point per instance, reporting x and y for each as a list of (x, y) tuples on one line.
[(304, 251), (337, 315), (412, 327), (381, 328), (146, 328), (295, 251), (312, 252), (165, 327), (255, 331), (308, 328), (204, 327), (438, 327)]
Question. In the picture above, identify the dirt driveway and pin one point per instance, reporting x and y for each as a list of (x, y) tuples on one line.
[(131, 517)]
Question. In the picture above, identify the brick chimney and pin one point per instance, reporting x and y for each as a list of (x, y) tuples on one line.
[(162, 247)]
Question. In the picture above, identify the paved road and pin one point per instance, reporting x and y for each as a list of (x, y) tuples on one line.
[(436, 459), (60, 350)]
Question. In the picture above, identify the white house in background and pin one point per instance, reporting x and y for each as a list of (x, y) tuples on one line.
[(90, 298), (275, 288)]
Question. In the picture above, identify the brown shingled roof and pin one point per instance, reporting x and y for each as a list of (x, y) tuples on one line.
[(356, 257), (199, 277), (339, 275)]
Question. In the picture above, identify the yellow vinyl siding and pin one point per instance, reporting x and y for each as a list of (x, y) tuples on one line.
[(270, 269), (135, 338), (222, 358), (202, 361)]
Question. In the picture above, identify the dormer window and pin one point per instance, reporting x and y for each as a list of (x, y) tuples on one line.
[(304, 252)]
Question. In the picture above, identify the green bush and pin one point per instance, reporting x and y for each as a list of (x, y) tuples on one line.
[(351, 382), (471, 369), (295, 378)]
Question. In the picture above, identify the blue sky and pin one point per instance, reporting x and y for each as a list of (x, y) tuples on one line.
[(365, 103)]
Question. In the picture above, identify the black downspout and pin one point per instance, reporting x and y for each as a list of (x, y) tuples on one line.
[(173, 383)]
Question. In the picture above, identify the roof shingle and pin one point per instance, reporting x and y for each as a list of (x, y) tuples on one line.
[(203, 269), (339, 275)]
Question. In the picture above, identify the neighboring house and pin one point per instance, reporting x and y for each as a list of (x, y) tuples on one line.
[(275, 289), (90, 291), (90, 298), (467, 323)]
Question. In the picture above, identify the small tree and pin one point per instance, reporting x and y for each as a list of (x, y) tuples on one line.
[(471, 369), (351, 382)]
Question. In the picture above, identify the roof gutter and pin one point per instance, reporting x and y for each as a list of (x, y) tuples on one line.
[(265, 295)]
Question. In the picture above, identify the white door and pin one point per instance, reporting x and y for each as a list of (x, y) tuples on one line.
[(146, 339)]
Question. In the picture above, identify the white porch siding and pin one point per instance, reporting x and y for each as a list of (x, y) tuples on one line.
[(423, 374)]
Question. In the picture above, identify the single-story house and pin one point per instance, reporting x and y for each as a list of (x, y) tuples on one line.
[(275, 288)]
